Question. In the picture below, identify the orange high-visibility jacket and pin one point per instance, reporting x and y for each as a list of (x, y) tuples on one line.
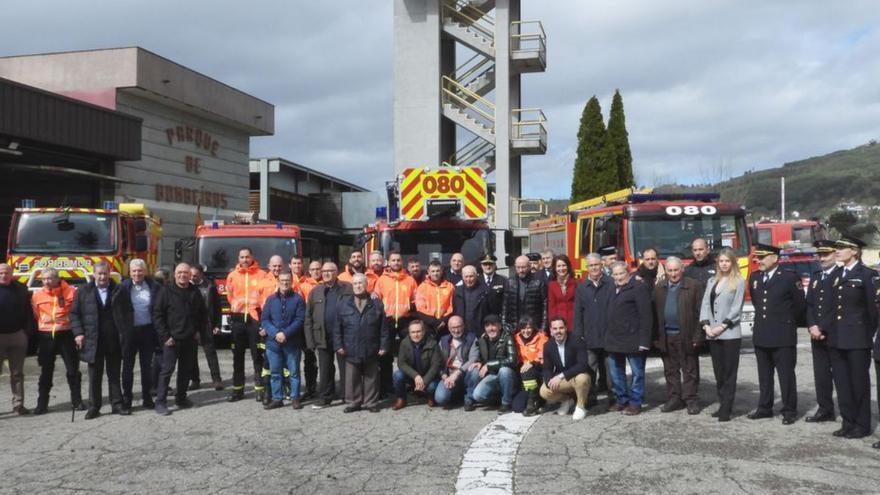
[(52, 308), (346, 275), (533, 350), (397, 291), (246, 290), (304, 286), (435, 300)]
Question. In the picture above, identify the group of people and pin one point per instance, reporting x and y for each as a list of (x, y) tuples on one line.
[(461, 334)]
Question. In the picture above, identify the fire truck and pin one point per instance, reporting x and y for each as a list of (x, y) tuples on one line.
[(72, 240), (432, 214), (633, 220), (216, 245)]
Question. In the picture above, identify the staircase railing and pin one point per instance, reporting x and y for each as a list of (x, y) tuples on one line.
[(528, 36), (529, 123), (472, 69), (469, 102), (471, 153), (464, 13)]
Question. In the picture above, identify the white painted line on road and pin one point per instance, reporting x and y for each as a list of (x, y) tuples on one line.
[(487, 467)]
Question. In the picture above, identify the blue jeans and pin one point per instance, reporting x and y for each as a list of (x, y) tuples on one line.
[(443, 395), (402, 382), (487, 388), (628, 394), (280, 357)]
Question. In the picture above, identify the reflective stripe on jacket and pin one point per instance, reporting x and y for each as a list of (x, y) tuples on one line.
[(247, 289), (397, 291), (435, 300), (52, 307)]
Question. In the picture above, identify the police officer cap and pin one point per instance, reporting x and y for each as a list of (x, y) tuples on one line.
[(848, 241), (489, 259), (824, 246), (534, 256), (762, 250), (607, 250)]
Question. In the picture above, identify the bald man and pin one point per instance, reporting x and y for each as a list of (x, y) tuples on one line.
[(524, 295)]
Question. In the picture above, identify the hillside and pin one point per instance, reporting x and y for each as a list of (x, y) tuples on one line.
[(813, 187)]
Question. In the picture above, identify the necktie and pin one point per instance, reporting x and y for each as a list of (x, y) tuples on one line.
[(766, 278), (845, 272)]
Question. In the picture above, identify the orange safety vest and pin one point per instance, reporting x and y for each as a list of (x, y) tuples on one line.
[(397, 291), (52, 308), (372, 278), (435, 300), (533, 351), (247, 289)]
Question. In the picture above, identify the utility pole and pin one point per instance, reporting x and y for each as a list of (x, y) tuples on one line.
[(783, 200)]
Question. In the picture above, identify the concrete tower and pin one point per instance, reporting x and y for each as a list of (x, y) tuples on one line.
[(458, 66)]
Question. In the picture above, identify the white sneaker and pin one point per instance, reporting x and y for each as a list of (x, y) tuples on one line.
[(565, 407), (579, 414)]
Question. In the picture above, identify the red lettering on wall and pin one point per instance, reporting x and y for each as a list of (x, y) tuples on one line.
[(191, 196)]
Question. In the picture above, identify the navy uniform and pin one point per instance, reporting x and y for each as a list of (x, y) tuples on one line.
[(855, 319), (820, 313), (778, 297), (495, 283)]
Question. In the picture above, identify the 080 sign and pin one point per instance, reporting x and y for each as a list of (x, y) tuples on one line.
[(691, 210), (442, 184)]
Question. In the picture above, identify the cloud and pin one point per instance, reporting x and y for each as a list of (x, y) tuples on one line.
[(743, 84)]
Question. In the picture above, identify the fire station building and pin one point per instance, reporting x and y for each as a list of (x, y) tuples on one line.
[(128, 125)]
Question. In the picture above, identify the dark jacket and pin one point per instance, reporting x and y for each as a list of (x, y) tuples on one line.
[(779, 304), (629, 318), (18, 314), (316, 334), (471, 304), (690, 299), (576, 360), (123, 310), (591, 310), (284, 314), (498, 353), (821, 310), (452, 277), (468, 351), (701, 271), (213, 303), (89, 317), (362, 334), (495, 293), (178, 313), (855, 319), (534, 304), (649, 277), (432, 361)]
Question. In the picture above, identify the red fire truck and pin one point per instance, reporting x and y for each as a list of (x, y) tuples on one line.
[(72, 240), (433, 214)]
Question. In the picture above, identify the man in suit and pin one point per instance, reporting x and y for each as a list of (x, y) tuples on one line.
[(566, 372), (469, 301), (779, 302), (853, 290), (820, 317), (545, 268), (453, 272), (494, 283)]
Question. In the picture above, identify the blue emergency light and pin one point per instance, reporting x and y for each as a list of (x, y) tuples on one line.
[(279, 225), (215, 225), (381, 211), (110, 205), (28, 203)]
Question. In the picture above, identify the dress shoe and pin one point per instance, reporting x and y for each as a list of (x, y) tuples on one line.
[(789, 420), (431, 403), (672, 405), (195, 385), (93, 413), (470, 406), (504, 409), (183, 403), (352, 408), (375, 409), (631, 410), (149, 404), (308, 395), (716, 413), (840, 433), (820, 417), (235, 397), (723, 418), (124, 411), (218, 385), (21, 410), (41, 409), (398, 405), (162, 409), (693, 408), (296, 404), (615, 407), (322, 404), (854, 433), (273, 404), (760, 415)]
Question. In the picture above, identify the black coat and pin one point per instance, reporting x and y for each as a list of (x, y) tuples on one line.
[(820, 309), (123, 310), (179, 313), (630, 318), (90, 318), (576, 360), (213, 303), (779, 305), (431, 362), (701, 271), (498, 353), (361, 334), (855, 308), (452, 277), (471, 304), (534, 304), (22, 314), (495, 294), (591, 310)]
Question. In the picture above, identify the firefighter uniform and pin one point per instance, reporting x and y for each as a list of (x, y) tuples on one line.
[(434, 303), (779, 302), (855, 319), (372, 278), (820, 313), (397, 291), (246, 291), (52, 312)]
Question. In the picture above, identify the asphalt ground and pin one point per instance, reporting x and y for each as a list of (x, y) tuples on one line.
[(220, 447)]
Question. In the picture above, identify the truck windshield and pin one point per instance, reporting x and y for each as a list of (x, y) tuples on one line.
[(59, 232), (673, 236), (219, 255), (426, 245)]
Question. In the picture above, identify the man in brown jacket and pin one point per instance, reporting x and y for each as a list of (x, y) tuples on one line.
[(321, 320), (679, 336)]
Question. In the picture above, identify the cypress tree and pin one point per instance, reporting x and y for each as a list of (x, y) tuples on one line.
[(595, 167), (618, 135)]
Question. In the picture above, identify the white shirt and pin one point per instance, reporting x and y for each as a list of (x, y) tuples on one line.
[(102, 293), (561, 347), (769, 275)]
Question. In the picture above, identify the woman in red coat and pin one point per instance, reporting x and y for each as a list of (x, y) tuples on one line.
[(560, 292)]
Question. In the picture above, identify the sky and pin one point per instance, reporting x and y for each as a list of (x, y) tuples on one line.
[(710, 88)]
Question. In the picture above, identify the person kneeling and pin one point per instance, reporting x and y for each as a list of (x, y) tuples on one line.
[(418, 365), (459, 352), (530, 350), (495, 371), (566, 372)]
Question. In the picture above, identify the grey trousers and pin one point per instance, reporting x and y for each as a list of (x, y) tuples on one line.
[(362, 383), (13, 347)]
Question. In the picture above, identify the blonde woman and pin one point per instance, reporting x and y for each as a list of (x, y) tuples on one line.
[(720, 318)]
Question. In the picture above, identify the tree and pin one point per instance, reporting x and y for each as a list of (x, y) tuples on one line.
[(595, 167), (618, 135)]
